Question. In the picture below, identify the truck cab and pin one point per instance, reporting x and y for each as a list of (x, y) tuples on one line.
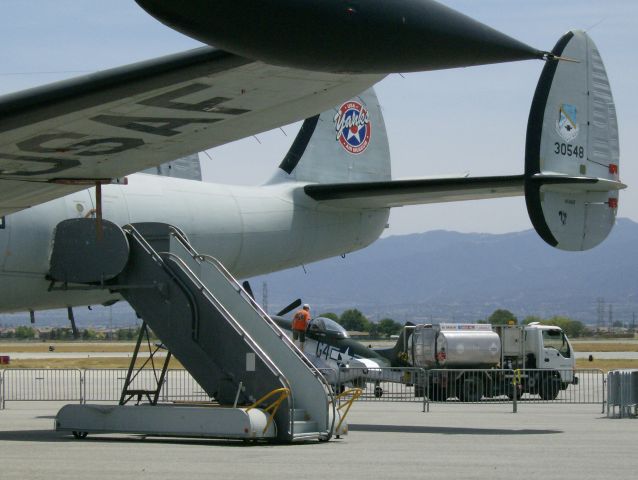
[(548, 348), (549, 351)]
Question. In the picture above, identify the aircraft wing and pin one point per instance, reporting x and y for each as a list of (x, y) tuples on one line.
[(397, 193), (62, 137)]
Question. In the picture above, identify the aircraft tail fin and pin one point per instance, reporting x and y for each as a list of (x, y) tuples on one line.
[(398, 354), (345, 144), (572, 150)]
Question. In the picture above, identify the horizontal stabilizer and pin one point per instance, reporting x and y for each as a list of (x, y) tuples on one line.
[(572, 150), (398, 193)]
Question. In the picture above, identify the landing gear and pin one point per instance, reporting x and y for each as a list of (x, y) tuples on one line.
[(80, 435), (378, 391)]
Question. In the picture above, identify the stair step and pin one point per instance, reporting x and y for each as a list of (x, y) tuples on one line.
[(307, 426), (300, 415)]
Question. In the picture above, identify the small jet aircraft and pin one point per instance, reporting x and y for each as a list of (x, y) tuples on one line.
[(71, 149)]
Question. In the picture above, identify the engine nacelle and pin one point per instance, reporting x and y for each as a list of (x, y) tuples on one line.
[(572, 150), (362, 36)]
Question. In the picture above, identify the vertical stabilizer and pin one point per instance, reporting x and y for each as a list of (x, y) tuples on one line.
[(345, 144), (572, 151)]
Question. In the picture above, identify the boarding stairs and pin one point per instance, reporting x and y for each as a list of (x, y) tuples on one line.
[(204, 317)]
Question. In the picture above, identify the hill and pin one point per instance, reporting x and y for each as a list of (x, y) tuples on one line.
[(446, 275), (443, 276)]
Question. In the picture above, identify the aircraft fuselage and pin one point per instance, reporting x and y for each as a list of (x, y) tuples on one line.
[(251, 230)]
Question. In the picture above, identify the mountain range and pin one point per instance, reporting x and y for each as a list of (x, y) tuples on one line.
[(450, 276), (442, 276)]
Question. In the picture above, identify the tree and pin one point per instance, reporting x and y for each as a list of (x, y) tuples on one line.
[(353, 319), (502, 317), (25, 333), (60, 334), (572, 328), (374, 330), (128, 333), (388, 327), (330, 315), (89, 334)]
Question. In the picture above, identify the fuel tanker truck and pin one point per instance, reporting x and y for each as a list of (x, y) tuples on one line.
[(474, 361)]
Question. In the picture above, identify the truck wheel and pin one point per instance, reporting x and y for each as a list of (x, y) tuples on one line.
[(549, 386), (378, 392), (470, 390)]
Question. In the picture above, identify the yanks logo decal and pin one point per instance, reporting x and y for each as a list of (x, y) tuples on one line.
[(353, 127)]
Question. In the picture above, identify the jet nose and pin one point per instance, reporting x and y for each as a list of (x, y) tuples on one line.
[(362, 36)]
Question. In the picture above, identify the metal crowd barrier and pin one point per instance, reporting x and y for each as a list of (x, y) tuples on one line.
[(41, 385), (180, 386), (91, 385), (385, 384), (622, 393), (476, 385), (517, 387)]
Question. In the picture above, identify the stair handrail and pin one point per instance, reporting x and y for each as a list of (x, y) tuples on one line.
[(227, 315), (230, 318), (181, 237), (222, 269), (354, 394), (274, 406)]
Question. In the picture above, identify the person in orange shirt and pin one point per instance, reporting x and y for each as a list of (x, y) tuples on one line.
[(300, 324)]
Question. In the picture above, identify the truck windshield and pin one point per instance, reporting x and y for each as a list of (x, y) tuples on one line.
[(556, 339)]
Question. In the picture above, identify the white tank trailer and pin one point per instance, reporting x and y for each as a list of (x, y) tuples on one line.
[(475, 361)]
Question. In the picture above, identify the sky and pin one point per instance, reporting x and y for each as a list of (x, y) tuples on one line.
[(446, 122)]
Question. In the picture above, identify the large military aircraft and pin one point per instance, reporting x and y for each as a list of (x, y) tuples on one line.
[(72, 149)]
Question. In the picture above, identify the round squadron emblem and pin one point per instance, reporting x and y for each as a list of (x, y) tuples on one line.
[(353, 127)]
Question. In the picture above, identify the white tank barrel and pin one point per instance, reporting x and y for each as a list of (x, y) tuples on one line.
[(469, 348), (454, 346)]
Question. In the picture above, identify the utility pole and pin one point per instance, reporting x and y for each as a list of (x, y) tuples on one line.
[(601, 314), (611, 318)]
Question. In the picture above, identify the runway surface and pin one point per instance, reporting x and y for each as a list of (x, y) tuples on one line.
[(570, 442)]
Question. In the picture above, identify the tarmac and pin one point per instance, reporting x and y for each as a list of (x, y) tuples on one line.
[(386, 440)]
